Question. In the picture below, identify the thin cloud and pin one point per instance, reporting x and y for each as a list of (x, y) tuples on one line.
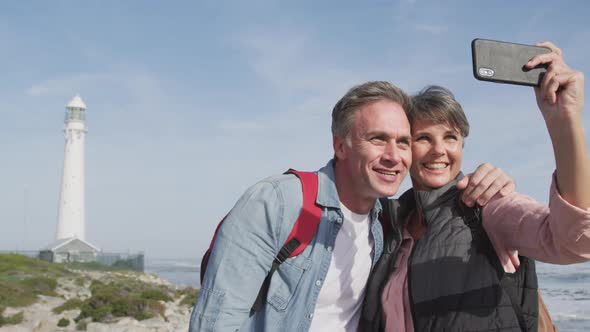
[(295, 63), (432, 29), (140, 90), (63, 85), (273, 54), (242, 126)]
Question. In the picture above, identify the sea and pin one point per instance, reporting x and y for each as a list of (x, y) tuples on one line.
[(565, 289)]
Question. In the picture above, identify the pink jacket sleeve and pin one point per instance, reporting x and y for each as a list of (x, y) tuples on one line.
[(558, 234)]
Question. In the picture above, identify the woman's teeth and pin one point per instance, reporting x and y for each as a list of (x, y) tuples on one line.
[(436, 165)]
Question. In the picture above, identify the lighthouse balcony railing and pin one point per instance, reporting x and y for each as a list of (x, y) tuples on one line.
[(75, 115)]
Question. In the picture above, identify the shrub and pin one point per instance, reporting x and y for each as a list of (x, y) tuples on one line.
[(123, 298), (98, 313), (19, 264), (71, 304), (12, 320), (40, 285), (127, 307), (190, 297), (80, 281), (15, 295), (63, 322), (156, 307), (156, 294), (23, 278), (82, 325)]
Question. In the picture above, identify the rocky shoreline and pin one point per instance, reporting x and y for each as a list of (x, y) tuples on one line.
[(40, 316)]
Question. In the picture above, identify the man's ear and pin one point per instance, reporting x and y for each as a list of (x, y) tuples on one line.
[(339, 144)]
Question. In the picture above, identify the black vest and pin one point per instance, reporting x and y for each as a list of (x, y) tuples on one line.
[(455, 280)]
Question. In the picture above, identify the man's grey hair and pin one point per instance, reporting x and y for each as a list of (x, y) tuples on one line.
[(360, 95), (438, 105)]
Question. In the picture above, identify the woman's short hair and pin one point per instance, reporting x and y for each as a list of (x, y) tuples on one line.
[(360, 95), (437, 104)]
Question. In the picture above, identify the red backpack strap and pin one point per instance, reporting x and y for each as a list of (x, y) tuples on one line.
[(215, 234), (301, 234), (309, 218), (205, 259)]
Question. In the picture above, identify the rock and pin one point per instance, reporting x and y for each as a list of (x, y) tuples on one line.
[(137, 329), (127, 321), (70, 314), (14, 328), (11, 311), (45, 325), (98, 327)]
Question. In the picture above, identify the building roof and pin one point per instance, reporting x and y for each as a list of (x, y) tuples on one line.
[(62, 242), (76, 102)]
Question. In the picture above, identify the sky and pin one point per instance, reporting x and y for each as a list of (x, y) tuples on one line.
[(191, 102)]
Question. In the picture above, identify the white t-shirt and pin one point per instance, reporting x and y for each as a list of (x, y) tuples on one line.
[(339, 303)]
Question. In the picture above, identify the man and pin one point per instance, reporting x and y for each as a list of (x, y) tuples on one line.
[(322, 288)]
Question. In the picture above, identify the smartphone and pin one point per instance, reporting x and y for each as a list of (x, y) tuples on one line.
[(502, 62)]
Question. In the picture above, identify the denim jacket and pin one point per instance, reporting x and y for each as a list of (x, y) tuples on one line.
[(246, 244)]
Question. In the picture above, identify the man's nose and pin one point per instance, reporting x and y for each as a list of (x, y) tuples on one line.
[(393, 153)]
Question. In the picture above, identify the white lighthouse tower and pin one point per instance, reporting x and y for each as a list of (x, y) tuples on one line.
[(71, 223)]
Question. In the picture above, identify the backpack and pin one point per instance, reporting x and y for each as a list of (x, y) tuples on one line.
[(301, 234), (507, 282)]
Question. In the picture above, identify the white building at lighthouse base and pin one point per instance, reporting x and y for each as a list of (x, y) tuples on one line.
[(69, 250)]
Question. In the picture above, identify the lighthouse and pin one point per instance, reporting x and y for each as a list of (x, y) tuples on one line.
[(71, 216)]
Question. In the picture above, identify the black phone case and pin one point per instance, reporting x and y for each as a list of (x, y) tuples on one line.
[(503, 62)]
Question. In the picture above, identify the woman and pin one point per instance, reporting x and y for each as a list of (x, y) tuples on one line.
[(449, 267)]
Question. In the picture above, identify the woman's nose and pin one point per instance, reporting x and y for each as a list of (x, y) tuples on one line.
[(438, 147)]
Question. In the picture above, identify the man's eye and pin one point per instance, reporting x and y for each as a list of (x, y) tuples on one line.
[(404, 141)]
